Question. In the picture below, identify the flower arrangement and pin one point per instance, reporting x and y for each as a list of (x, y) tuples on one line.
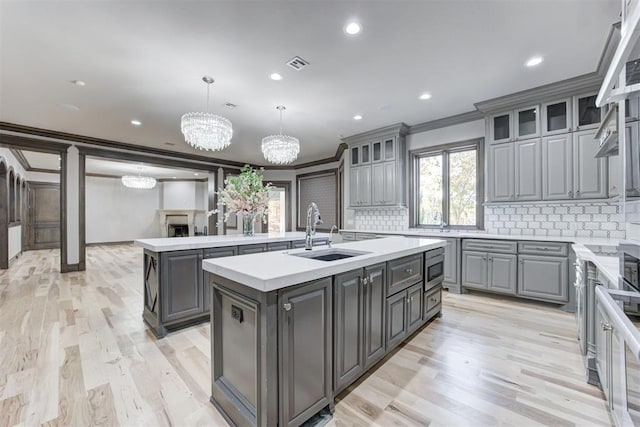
[(245, 194)]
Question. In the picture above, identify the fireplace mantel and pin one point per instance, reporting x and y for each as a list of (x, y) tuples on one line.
[(188, 214)]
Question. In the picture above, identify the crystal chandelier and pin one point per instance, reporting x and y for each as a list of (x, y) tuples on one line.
[(206, 131), (139, 181), (280, 149)]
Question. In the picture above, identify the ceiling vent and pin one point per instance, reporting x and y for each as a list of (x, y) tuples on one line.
[(297, 63), (230, 105)]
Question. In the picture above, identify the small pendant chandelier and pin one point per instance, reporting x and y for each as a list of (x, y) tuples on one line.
[(206, 131), (280, 149), (139, 182)]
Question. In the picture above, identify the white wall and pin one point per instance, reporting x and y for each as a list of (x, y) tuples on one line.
[(179, 195), (15, 240), (446, 135), (43, 177), (115, 213)]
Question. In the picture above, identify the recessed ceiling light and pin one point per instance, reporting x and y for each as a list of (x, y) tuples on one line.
[(78, 83), (173, 177), (196, 173), (425, 96), (70, 107), (275, 76), (357, 117), (136, 122), (352, 28), (534, 60)]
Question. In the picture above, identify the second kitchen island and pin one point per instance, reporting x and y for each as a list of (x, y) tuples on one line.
[(292, 329)]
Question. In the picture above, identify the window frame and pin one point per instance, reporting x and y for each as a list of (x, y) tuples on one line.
[(445, 150)]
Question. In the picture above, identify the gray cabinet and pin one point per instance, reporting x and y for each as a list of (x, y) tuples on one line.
[(208, 254), (306, 351), (374, 313), (603, 347), (349, 329), (543, 277), (527, 123), (556, 117), (589, 172), (557, 167), (278, 246), (489, 271), (181, 285), (383, 187), (501, 127), (501, 172), (404, 272), (414, 307), (252, 249), (632, 160), (396, 319), (585, 113), (451, 262), (528, 182), (360, 186)]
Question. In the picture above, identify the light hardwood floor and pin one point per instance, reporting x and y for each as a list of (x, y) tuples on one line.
[(74, 351)]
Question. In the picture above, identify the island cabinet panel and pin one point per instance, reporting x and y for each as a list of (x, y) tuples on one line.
[(278, 246), (374, 313), (305, 336), (349, 329), (184, 298), (414, 309), (432, 303), (210, 253), (252, 249), (404, 272), (396, 319)]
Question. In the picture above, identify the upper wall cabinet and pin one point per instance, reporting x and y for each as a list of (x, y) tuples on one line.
[(527, 122), (501, 127), (556, 117), (377, 168), (586, 114)]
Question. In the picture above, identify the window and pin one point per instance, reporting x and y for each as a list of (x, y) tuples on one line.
[(279, 218), (319, 187), (448, 186)]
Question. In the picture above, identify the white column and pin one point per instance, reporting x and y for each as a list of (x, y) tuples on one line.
[(73, 206)]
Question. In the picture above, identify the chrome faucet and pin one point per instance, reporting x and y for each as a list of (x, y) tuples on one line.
[(333, 227), (444, 227), (312, 210)]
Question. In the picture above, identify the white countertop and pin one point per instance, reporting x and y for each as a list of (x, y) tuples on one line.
[(166, 244), (482, 235), (270, 271), (608, 265)]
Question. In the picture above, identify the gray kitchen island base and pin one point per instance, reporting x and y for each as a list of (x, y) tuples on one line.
[(279, 357)]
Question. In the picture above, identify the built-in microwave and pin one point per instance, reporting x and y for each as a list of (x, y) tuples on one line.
[(434, 264)]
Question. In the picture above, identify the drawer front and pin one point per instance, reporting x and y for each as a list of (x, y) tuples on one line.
[(432, 299), (543, 248), (220, 252), (252, 249), (403, 272), (348, 235), (365, 236), (278, 246), (501, 246)]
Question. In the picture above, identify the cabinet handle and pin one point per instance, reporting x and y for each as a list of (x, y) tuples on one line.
[(409, 271), (365, 281), (605, 326), (577, 193), (200, 256), (286, 306), (490, 259), (521, 261), (570, 194)]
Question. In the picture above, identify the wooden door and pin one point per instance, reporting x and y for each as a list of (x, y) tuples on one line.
[(43, 225)]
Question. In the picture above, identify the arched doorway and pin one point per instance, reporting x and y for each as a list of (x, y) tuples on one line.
[(4, 216)]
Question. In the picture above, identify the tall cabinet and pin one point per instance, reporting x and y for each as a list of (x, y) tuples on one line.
[(377, 167)]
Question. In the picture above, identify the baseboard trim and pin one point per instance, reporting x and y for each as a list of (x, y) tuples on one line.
[(69, 268), (123, 242), (15, 257)]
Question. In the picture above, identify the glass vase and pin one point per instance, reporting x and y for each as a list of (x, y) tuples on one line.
[(248, 224)]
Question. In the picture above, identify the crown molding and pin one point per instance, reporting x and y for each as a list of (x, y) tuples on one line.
[(32, 144), (19, 155), (401, 129), (444, 122)]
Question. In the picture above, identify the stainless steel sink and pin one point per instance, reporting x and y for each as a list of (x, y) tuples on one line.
[(329, 254)]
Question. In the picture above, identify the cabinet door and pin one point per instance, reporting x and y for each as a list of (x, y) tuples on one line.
[(501, 172), (632, 160), (543, 277), (210, 253), (390, 149), (364, 185), (376, 153), (374, 313), (181, 283), (414, 307), (396, 319), (527, 122), (500, 128), (585, 113), (474, 270), (355, 156), (603, 348), (557, 167), (451, 261), (348, 332), (365, 153), (589, 172), (377, 184), (528, 170), (305, 330), (252, 249), (389, 194), (556, 117), (502, 275), (613, 180), (354, 186)]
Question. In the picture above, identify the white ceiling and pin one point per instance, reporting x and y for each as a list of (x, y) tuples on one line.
[(144, 60), (113, 167)]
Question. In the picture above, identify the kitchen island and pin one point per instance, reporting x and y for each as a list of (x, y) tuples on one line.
[(291, 329), (176, 291)]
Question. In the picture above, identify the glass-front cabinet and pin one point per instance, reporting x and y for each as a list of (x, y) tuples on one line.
[(527, 122), (587, 115), (383, 150), (501, 128), (556, 117)]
